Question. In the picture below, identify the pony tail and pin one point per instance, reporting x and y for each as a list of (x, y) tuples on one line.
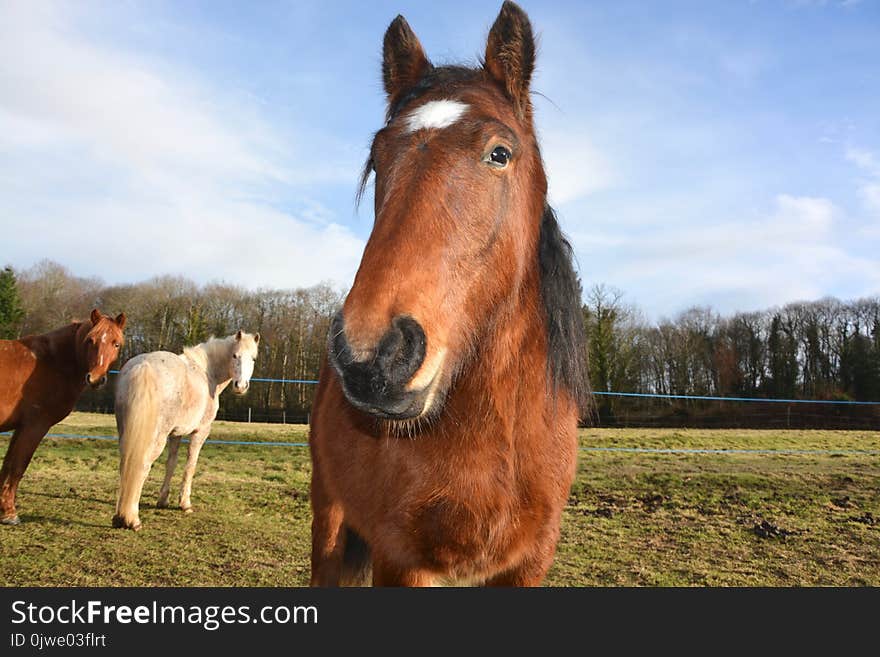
[(137, 433)]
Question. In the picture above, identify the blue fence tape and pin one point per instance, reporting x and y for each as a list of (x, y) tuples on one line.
[(741, 399), (654, 395), (634, 450)]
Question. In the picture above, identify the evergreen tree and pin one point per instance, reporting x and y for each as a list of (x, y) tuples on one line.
[(782, 354), (11, 310)]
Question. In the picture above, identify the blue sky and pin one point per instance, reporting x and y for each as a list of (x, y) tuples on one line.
[(720, 153)]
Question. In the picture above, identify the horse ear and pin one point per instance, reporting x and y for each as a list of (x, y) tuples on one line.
[(95, 316), (403, 60), (120, 320), (257, 338), (510, 55), (238, 335)]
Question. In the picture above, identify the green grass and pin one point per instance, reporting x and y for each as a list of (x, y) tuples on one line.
[(632, 519)]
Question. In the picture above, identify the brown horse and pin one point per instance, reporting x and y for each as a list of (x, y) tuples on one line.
[(443, 435), (41, 377)]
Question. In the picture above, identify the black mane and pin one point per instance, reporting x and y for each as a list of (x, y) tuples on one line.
[(561, 293)]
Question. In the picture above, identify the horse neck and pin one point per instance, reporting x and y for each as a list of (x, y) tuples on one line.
[(509, 368), (66, 347), (217, 365)]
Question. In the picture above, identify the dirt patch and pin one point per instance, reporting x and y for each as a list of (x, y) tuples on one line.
[(766, 529), (842, 502), (653, 501), (866, 518)]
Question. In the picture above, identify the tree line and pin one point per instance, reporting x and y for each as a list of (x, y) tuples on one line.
[(825, 349), (169, 312)]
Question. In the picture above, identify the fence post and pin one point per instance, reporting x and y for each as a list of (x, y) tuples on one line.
[(283, 417), (249, 413)]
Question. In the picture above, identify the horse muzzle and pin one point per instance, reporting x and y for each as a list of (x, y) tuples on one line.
[(96, 383), (378, 384), (240, 388)]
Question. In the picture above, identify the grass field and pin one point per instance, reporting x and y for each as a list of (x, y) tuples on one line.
[(632, 519)]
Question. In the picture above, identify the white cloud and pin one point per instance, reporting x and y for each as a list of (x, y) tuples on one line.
[(575, 167), (870, 193), (785, 253), (869, 190), (864, 159), (125, 167)]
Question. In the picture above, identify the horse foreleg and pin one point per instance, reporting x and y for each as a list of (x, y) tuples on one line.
[(170, 464), (18, 455), (387, 574), (196, 440), (328, 535), (532, 569)]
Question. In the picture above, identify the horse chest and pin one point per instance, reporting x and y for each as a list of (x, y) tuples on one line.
[(471, 521)]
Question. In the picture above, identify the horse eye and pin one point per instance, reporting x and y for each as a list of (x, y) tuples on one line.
[(499, 157)]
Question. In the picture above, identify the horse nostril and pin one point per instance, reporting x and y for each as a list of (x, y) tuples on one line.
[(402, 350), (102, 380), (378, 384)]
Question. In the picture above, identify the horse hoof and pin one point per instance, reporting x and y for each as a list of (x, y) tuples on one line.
[(187, 509), (121, 523), (11, 520), (162, 505)]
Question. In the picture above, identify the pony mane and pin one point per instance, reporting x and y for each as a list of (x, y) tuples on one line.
[(203, 354), (561, 294)]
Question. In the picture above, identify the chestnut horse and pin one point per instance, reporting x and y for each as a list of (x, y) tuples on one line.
[(443, 435), (41, 377)]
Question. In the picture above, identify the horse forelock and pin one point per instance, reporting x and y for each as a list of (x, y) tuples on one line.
[(447, 83), (106, 326)]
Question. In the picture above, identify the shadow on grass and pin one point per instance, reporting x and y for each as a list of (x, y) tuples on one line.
[(28, 518), (103, 502)]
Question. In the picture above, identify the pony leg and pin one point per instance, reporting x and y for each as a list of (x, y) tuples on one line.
[(170, 464), (327, 549), (18, 455), (532, 570), (196, 440), (328, 545), (386, 574)]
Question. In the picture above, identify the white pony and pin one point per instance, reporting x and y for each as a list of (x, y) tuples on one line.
[(161, 395)]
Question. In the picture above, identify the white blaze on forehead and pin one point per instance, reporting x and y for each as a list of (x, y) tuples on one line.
[(435, 114)]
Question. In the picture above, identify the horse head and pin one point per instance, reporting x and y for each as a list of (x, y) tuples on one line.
[(243, 355), (101, 339), (459, 194)]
